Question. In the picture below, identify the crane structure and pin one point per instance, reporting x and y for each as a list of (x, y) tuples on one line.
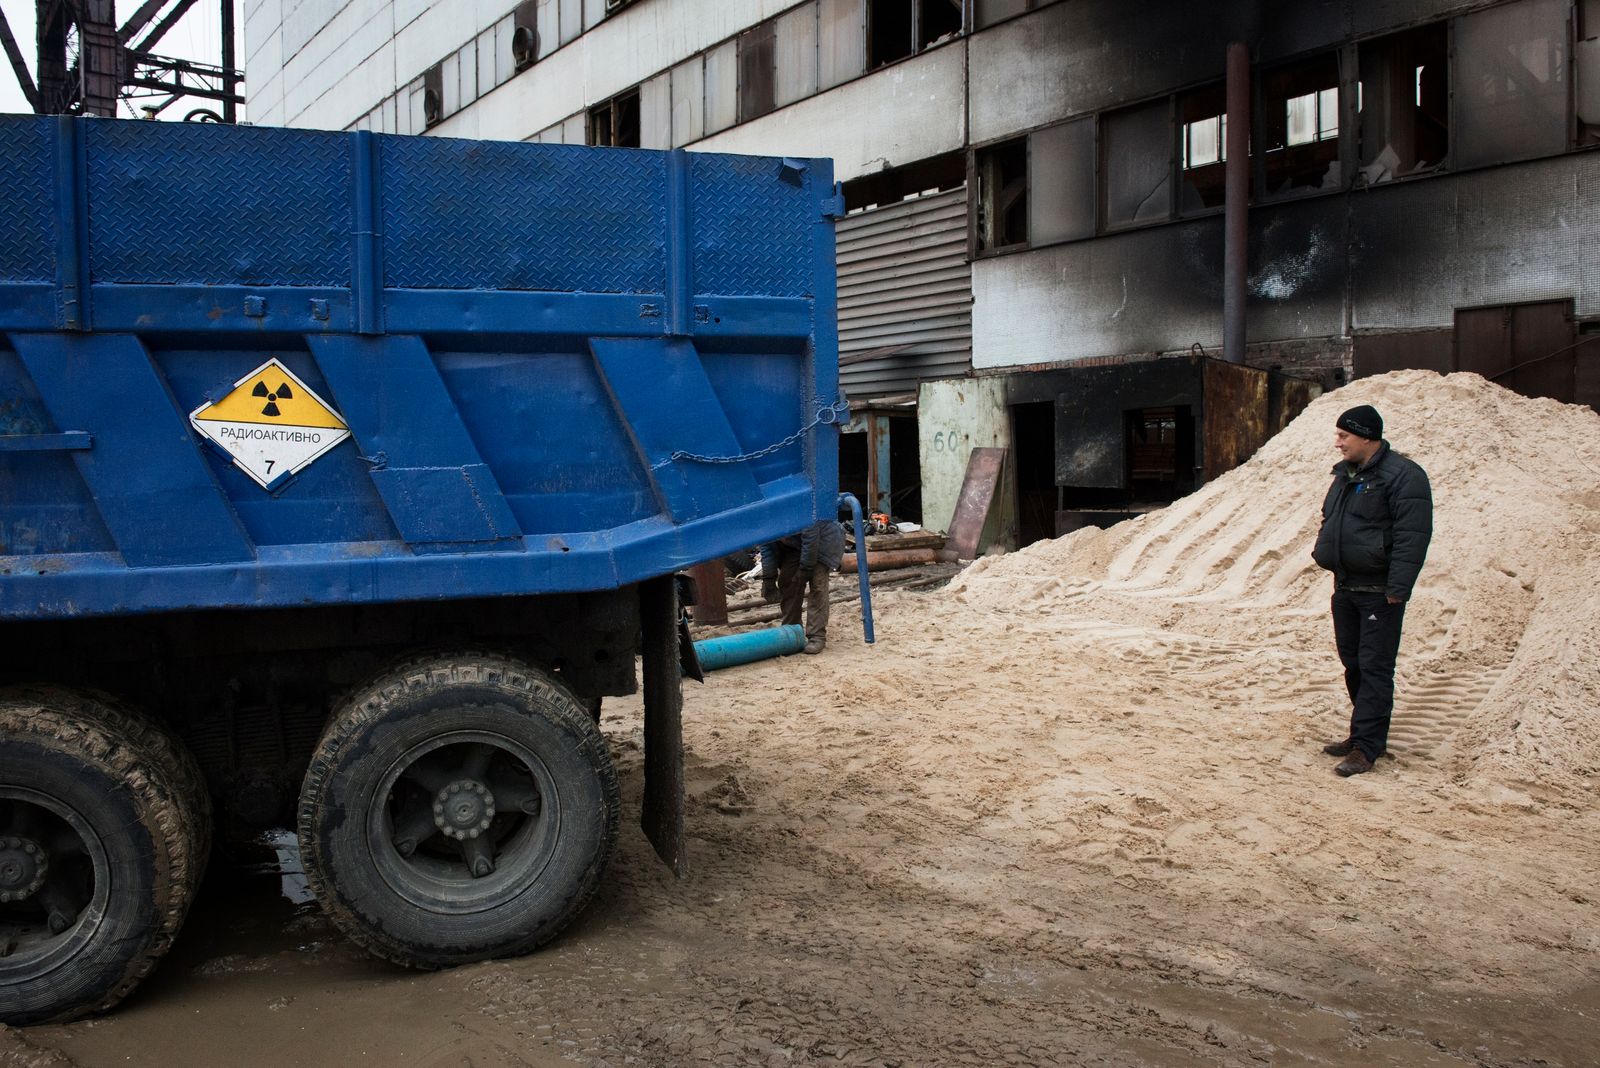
[(88, 63)]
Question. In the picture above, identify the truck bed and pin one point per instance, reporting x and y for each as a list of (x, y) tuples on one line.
[(527, 368)]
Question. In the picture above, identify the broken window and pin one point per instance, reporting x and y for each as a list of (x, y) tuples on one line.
[(1001, 175), (900, 28), (616, 121), (1202, 148), (1405, 103), (1588, 76), (937, 20), (1511, 85), (1061, 182), (842, 26), (757, 50), (1136, 172), (1299, 127), (889, 30)]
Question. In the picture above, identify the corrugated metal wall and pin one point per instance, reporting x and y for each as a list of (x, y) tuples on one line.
[(905, 290)]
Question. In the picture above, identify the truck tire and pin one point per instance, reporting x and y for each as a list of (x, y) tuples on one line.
[(458, 808), (104, 831)]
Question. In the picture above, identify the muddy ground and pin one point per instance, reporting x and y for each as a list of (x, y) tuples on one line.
[(991, 839)]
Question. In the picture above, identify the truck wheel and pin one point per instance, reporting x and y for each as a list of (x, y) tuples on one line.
[(103, 833), (458, 808)]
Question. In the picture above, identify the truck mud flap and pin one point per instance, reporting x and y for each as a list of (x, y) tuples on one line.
[(662, 817)]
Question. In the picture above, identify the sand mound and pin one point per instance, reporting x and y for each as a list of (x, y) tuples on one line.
[(1498, 657)]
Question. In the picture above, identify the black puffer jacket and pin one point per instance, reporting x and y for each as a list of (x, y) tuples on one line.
[(1376, 524)]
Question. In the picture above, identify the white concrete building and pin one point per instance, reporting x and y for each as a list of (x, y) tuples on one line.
[(1035, 189)]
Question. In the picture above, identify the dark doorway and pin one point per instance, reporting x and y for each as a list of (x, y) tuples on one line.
[(1033, 433), (905, 469), (853, 465), (1161, 460)]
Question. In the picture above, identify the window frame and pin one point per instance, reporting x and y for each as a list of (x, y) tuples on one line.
[(612, 105)]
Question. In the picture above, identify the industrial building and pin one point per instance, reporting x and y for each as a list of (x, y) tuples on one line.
[(1033, 251)]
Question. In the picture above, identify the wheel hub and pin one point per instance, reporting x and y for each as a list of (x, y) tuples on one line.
[(23, 868), (463, 809)]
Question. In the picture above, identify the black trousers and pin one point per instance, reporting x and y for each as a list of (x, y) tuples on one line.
[(1366, 628)]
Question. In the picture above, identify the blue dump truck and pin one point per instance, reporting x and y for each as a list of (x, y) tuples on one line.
[(341, 477)]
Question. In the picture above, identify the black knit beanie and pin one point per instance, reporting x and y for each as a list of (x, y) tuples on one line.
[(1362, 420)]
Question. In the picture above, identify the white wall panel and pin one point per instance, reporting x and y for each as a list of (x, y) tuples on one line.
[(262, 22), (267, 57), (953, 418), (570, 19), (842, 41), (450, 84), (548, 21), (796, 59), (505, 59), (722, 87), (486, 53), (904, 113), (655, 112), (688, 101), (304, 20)]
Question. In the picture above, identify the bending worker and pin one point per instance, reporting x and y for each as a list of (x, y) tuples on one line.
[(1376, 523), (805, 559)]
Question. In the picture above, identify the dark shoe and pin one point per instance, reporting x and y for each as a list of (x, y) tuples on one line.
[(1343, 748), (814, 645), (1354, 764)]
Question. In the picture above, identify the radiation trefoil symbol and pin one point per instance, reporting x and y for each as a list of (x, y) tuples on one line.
[(271, 424)]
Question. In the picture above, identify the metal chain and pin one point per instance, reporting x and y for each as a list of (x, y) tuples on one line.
[(827, 414)]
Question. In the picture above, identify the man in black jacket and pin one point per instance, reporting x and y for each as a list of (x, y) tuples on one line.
[(1376, 523)]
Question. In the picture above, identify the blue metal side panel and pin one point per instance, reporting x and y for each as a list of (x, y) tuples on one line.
[(767, 396), (239, 205), (485, 215), (44, 506), (153, 489), (753, 219), (561, 455), (425, 465), (667, 403), (27, 251)]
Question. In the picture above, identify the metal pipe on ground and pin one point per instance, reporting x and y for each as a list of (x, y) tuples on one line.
[(890, 559), (1236, 184), (731, 650)]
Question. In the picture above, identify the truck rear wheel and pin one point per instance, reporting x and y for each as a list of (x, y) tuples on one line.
[(104, 828), (458, 808)]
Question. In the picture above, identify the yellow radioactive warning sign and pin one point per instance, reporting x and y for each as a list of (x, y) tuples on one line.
[(271, 424)]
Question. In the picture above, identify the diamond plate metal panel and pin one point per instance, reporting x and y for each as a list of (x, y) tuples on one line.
[(27, 253), (192, 203), (483, 215), (748, 221)]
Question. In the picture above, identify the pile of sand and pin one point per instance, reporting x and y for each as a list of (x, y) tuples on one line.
[(1498, 673)]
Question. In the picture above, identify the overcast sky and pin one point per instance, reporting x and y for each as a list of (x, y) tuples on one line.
[(194, 37)]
